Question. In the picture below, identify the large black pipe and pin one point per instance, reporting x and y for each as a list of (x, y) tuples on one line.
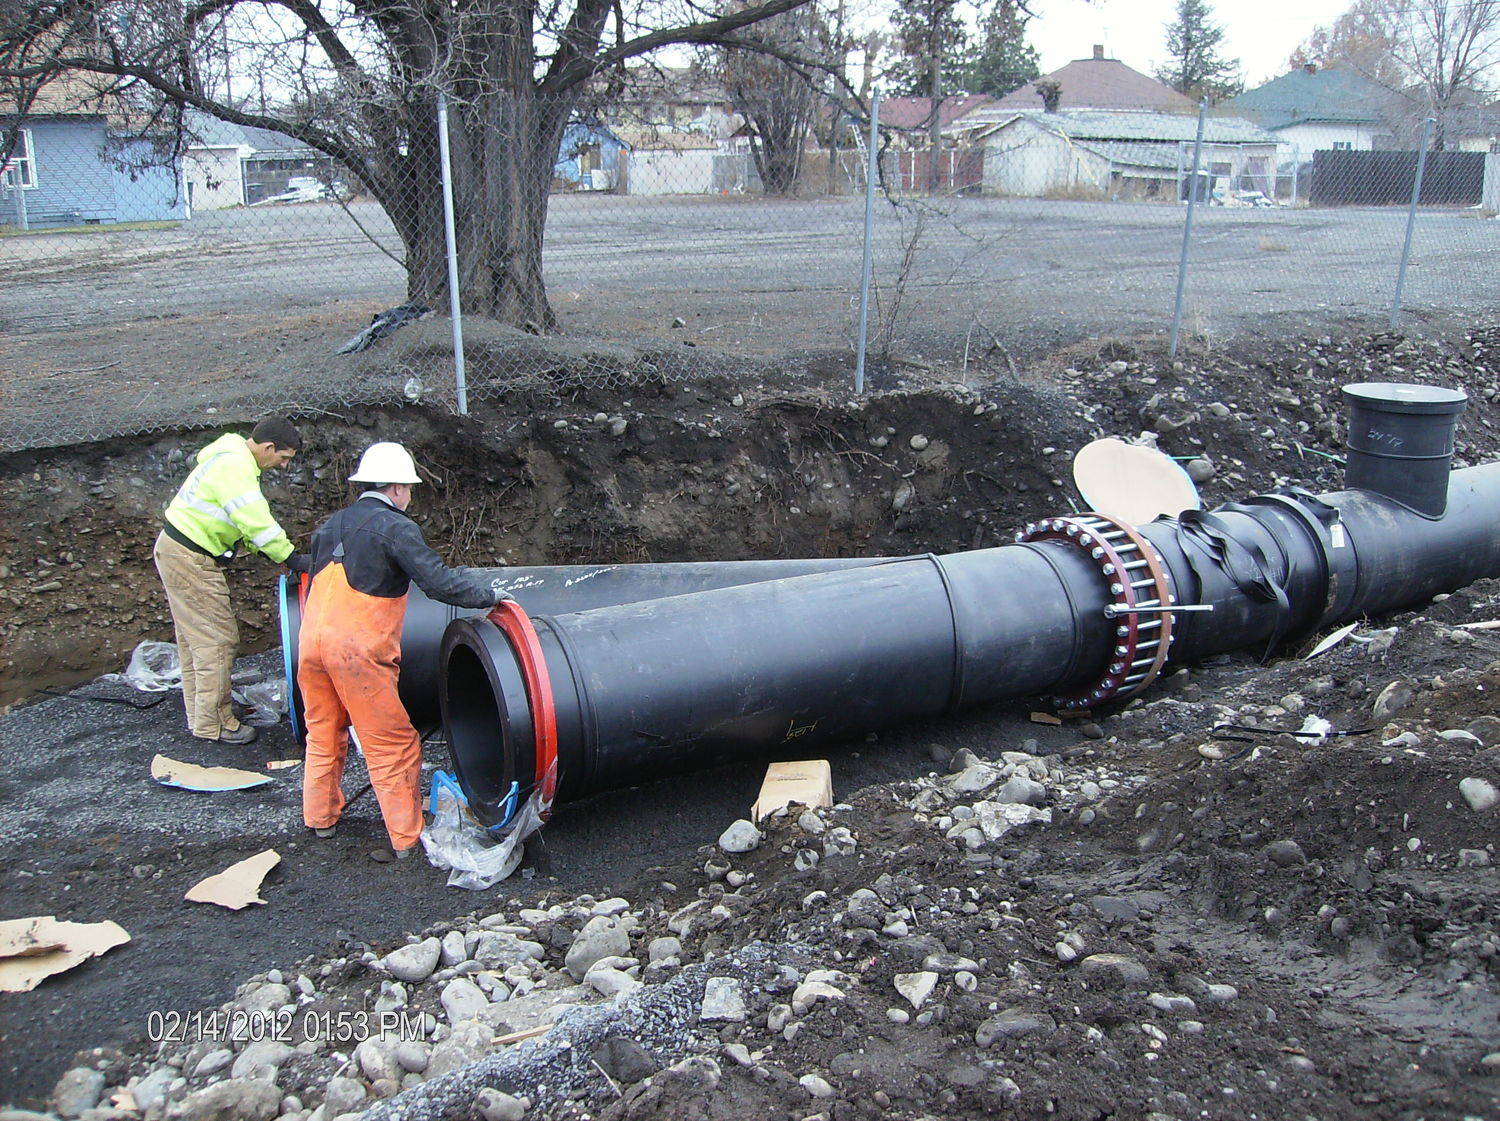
[(540, 589), (1083, 609)]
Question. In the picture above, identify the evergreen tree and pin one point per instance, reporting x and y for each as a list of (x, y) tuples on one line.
[(928, 29), (1195, 67), (1005, 61)]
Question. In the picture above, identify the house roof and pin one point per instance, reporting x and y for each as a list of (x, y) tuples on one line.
[(72, 93), (1102, 83), (639, 137), (207, 131), (682, 85), (1304, 96), (1168, 128), (916, 112)]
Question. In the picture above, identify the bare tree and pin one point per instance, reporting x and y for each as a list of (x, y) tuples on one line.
[(1359, 40), (367, 74), (1450, 51), (778, 99)]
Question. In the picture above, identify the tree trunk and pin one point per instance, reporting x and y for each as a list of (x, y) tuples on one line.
[(503, 149), (935, 126)]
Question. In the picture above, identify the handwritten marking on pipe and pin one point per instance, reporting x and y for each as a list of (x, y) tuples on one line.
[(794, 732), (589, 575)]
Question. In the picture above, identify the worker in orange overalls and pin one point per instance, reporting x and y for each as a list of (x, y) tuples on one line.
[(363, 561)]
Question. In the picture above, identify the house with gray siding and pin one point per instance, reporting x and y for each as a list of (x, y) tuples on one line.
[(69, 166)]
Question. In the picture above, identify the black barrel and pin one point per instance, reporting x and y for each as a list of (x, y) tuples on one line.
[(1401, 442)]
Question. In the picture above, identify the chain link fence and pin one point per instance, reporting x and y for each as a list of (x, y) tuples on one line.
[(144, 288)]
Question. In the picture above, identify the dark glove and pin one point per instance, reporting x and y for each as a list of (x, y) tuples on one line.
[(299, 562), (501, 595)]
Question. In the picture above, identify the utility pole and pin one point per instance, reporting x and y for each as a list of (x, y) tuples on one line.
[(935, 127), (224, 35)]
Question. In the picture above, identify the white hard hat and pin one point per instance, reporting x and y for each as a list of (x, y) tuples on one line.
[(386, 463)]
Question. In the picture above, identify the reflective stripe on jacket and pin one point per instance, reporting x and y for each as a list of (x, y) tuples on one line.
[(221, 505)]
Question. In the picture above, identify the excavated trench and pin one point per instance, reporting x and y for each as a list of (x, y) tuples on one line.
[(665, 474), (732, 471)]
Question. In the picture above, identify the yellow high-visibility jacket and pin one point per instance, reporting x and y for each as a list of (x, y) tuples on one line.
[(220, 504)]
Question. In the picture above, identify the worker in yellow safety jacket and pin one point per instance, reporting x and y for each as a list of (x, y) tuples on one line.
[(219, 506)]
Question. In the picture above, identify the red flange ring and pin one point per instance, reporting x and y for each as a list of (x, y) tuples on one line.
[(1135, 577), (516, 626)]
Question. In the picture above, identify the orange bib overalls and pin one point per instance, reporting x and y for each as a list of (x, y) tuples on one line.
[(347, 668)]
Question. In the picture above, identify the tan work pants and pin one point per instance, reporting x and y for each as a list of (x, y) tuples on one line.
[(207, 634)]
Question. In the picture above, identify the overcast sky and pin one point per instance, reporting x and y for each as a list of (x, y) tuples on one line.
[(1261, 33)]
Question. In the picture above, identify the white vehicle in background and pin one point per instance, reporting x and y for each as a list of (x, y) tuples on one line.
[(305, 188)]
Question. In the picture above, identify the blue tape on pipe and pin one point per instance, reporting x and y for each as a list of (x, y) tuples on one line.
[(446, 780), (282, 588)]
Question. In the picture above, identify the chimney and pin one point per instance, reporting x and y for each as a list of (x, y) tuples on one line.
[(1098, 52)]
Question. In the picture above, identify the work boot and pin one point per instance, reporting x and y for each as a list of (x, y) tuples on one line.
[(324, 834), (388, 855), (244, 734)]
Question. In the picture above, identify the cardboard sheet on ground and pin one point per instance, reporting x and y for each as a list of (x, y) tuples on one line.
[(76, 942), (190, 776), (807, 781), (1130, 483), (22, 938), (237, 886)]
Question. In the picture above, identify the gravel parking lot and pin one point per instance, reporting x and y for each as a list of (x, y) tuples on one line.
[(623, 263), (220, 294)]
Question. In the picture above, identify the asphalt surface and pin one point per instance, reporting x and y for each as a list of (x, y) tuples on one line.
[(117, 332), (88, 835), (765, 273)]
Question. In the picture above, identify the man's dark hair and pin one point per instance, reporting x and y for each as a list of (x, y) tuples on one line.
[(278, 432)]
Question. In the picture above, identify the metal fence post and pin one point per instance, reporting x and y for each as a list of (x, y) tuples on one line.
[(18, 199), (871, 171), (1187, 230), (1411, 220), (451, 239)]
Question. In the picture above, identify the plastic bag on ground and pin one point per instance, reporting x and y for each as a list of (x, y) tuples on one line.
[(265, 699), (154, 668), (473, 856)]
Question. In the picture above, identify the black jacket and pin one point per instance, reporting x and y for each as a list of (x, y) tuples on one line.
[(382, 551)]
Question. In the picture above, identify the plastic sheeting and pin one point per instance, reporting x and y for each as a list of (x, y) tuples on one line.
[(475, 859), (154, 667)]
